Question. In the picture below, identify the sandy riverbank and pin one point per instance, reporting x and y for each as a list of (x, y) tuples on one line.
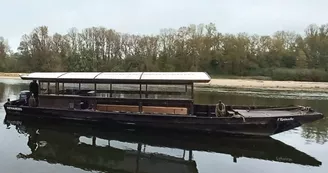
[(244, 83), (9, 75), (267, 84)]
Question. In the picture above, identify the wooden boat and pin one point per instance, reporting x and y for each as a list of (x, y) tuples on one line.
[(64, 139), (160, 100)]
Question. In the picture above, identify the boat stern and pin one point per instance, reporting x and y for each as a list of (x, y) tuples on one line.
[(13, 107)]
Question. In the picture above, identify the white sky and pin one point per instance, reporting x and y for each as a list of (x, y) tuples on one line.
[(20, 17)]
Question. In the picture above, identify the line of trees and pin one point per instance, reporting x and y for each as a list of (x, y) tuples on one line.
[(284, 55)]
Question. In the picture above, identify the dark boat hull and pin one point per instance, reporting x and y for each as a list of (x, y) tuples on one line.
[(252, 126)]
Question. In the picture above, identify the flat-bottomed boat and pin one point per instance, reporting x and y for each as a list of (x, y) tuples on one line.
[(160, 100)]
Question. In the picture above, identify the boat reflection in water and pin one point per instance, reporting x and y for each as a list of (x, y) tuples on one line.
[(58, 142)]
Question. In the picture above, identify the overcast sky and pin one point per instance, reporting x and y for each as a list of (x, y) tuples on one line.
[(19, 17)]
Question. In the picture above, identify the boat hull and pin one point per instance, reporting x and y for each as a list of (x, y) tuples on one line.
[(250, 126)]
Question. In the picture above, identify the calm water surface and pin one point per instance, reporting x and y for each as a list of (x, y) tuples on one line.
[(53, 147)]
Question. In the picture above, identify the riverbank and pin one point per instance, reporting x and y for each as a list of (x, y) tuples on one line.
[(244, 83), (267, 84), (10, 75)]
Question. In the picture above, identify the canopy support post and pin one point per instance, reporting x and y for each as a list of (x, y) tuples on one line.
[(111, 90), (192, 102), (57, 88), (39, 88), (95, 103), (192, 90), (140, 103), (48, 88), (63, 88), (93, 140), (140, 91)]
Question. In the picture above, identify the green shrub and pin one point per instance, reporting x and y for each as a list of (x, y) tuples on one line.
[(314, 75)]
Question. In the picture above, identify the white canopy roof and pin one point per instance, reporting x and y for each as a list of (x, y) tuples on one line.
[(115, 77)]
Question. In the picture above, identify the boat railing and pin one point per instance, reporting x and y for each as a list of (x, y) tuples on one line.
[(65, 100), (99, 98), (132, 91), (111, 92)]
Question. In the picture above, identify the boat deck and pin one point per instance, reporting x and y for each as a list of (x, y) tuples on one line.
[(269, 113)]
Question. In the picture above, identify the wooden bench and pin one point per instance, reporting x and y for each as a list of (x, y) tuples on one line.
[(145, 109)]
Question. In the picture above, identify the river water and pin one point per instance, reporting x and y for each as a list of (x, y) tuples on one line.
[(60, 147)]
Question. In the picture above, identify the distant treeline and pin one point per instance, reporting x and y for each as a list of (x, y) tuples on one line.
[(283, 55)]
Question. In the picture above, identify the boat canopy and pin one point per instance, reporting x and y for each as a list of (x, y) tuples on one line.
[(121, 77)]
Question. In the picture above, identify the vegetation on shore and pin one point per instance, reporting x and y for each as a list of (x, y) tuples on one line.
[(282, 56)]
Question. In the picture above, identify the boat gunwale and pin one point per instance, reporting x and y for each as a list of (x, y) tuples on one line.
[(189, 116)]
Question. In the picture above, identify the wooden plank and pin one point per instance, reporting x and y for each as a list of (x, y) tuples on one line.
[(167, 110), (146, 109), (101, 107), (123, 108)]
